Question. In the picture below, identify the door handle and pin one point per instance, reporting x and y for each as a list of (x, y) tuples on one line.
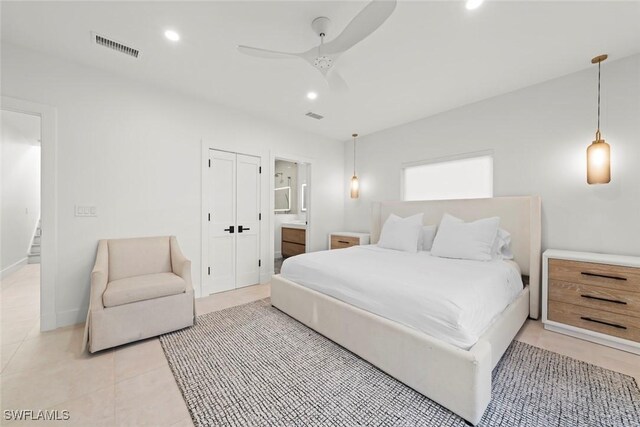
[(241, 229), (230, 229)]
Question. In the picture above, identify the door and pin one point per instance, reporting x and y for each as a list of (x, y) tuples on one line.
[(234, 221), (247, 219), (221, 270)]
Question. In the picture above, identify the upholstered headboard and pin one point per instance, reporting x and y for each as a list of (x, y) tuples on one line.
[(520, 216)]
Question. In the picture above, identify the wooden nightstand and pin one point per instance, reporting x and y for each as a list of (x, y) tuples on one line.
[(595, 297), (346, 239)]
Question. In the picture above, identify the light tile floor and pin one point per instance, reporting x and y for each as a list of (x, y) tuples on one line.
[(132, 384)]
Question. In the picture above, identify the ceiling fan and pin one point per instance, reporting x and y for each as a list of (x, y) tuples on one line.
[(324, 56)]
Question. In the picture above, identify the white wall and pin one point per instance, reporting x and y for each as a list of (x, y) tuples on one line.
[(539, 136), (20, 158), (134, 151)]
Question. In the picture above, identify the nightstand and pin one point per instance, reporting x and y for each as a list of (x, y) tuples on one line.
[(591, 296), (346, 239)]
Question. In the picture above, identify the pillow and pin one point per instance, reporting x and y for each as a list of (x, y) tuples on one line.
[(502, 245), (466, 240), (427, 235), (401, 234)]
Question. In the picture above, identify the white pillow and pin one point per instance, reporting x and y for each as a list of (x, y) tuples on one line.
[(502, 245), (427, 235), (401, 234), (466, 240)]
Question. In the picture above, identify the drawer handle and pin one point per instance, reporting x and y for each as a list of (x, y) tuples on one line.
[(603, 275), (604, 323), (604, 299), (343, 241)]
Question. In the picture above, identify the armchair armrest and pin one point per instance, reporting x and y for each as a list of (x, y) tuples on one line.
[(99, 276), (180, 265)]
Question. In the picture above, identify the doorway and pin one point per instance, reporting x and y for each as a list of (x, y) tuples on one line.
[(291, 188), (20, 154), (48, 204), (233, 221)]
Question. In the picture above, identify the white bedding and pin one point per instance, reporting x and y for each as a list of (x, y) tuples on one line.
[(450, 299)]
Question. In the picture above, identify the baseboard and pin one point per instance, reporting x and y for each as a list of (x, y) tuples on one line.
[(48, 322), (13, 268), (266, 278), (277, 255), (71, 317)]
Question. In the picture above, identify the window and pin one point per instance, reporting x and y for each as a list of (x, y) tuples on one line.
[(467, 177)]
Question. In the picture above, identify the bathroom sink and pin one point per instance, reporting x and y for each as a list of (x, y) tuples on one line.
[(295, 224)]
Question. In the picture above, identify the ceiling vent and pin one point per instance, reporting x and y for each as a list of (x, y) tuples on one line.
[(314, 115), (114, 45)]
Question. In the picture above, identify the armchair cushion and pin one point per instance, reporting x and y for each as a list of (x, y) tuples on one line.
[(139, 256), (140, 288)]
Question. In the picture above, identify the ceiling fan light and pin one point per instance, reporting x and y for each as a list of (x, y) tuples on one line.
[(473, 4)]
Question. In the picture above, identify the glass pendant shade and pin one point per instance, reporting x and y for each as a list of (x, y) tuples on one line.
[(355, 187), (598, 162)]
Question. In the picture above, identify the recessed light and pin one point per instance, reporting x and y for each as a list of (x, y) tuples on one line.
[(474, 4), (312, 95), (172, 35)]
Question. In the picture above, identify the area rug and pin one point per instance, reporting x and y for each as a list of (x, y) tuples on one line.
[(253, 365)]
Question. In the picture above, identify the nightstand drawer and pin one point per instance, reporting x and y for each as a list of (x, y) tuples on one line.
[(588, 273), (341, 242), (618, 325), (596, 297)]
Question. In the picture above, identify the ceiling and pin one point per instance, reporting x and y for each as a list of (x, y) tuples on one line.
[(428, 57), (26, 125)]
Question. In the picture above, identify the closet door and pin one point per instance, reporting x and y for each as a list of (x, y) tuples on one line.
[(233, 222), (222, 224), (247, 220)]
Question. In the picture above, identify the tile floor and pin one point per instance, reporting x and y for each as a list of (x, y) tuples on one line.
[(132, 384)]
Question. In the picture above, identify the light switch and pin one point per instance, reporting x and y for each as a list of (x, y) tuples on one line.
[(86, 211)]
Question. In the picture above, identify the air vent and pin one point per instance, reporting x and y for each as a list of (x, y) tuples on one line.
[(117, 46), (314, 115)]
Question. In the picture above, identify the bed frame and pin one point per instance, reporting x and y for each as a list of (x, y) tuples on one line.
[(458, 379)]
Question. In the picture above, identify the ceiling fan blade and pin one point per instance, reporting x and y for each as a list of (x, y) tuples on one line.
[(365, 23), (265, 53), (336, 82)]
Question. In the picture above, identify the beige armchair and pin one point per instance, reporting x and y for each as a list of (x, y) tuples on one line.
[(140, 288)]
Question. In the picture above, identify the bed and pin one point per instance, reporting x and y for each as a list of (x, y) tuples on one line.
[(451, 367)]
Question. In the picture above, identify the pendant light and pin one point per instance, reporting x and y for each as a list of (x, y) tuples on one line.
[(599, 152), (355, 185)]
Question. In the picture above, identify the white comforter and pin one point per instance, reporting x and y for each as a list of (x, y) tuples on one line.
[(452, 300)]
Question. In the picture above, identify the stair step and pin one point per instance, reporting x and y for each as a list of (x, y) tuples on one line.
[(35, 250), (34, 259), (36, 240)]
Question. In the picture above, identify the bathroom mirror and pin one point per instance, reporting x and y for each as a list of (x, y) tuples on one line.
[(282, 199)]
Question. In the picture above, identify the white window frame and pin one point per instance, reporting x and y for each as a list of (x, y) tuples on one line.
[(445, 159)]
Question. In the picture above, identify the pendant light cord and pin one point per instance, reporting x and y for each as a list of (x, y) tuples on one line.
[(354, 156), (599, 64)]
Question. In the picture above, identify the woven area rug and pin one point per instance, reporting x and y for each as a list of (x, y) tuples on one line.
[(253, 365)]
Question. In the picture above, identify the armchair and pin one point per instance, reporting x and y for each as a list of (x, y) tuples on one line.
[(140, 288)]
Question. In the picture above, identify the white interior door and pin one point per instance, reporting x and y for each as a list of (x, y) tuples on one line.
[(247, 219), (234, 221), (221, 269)]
